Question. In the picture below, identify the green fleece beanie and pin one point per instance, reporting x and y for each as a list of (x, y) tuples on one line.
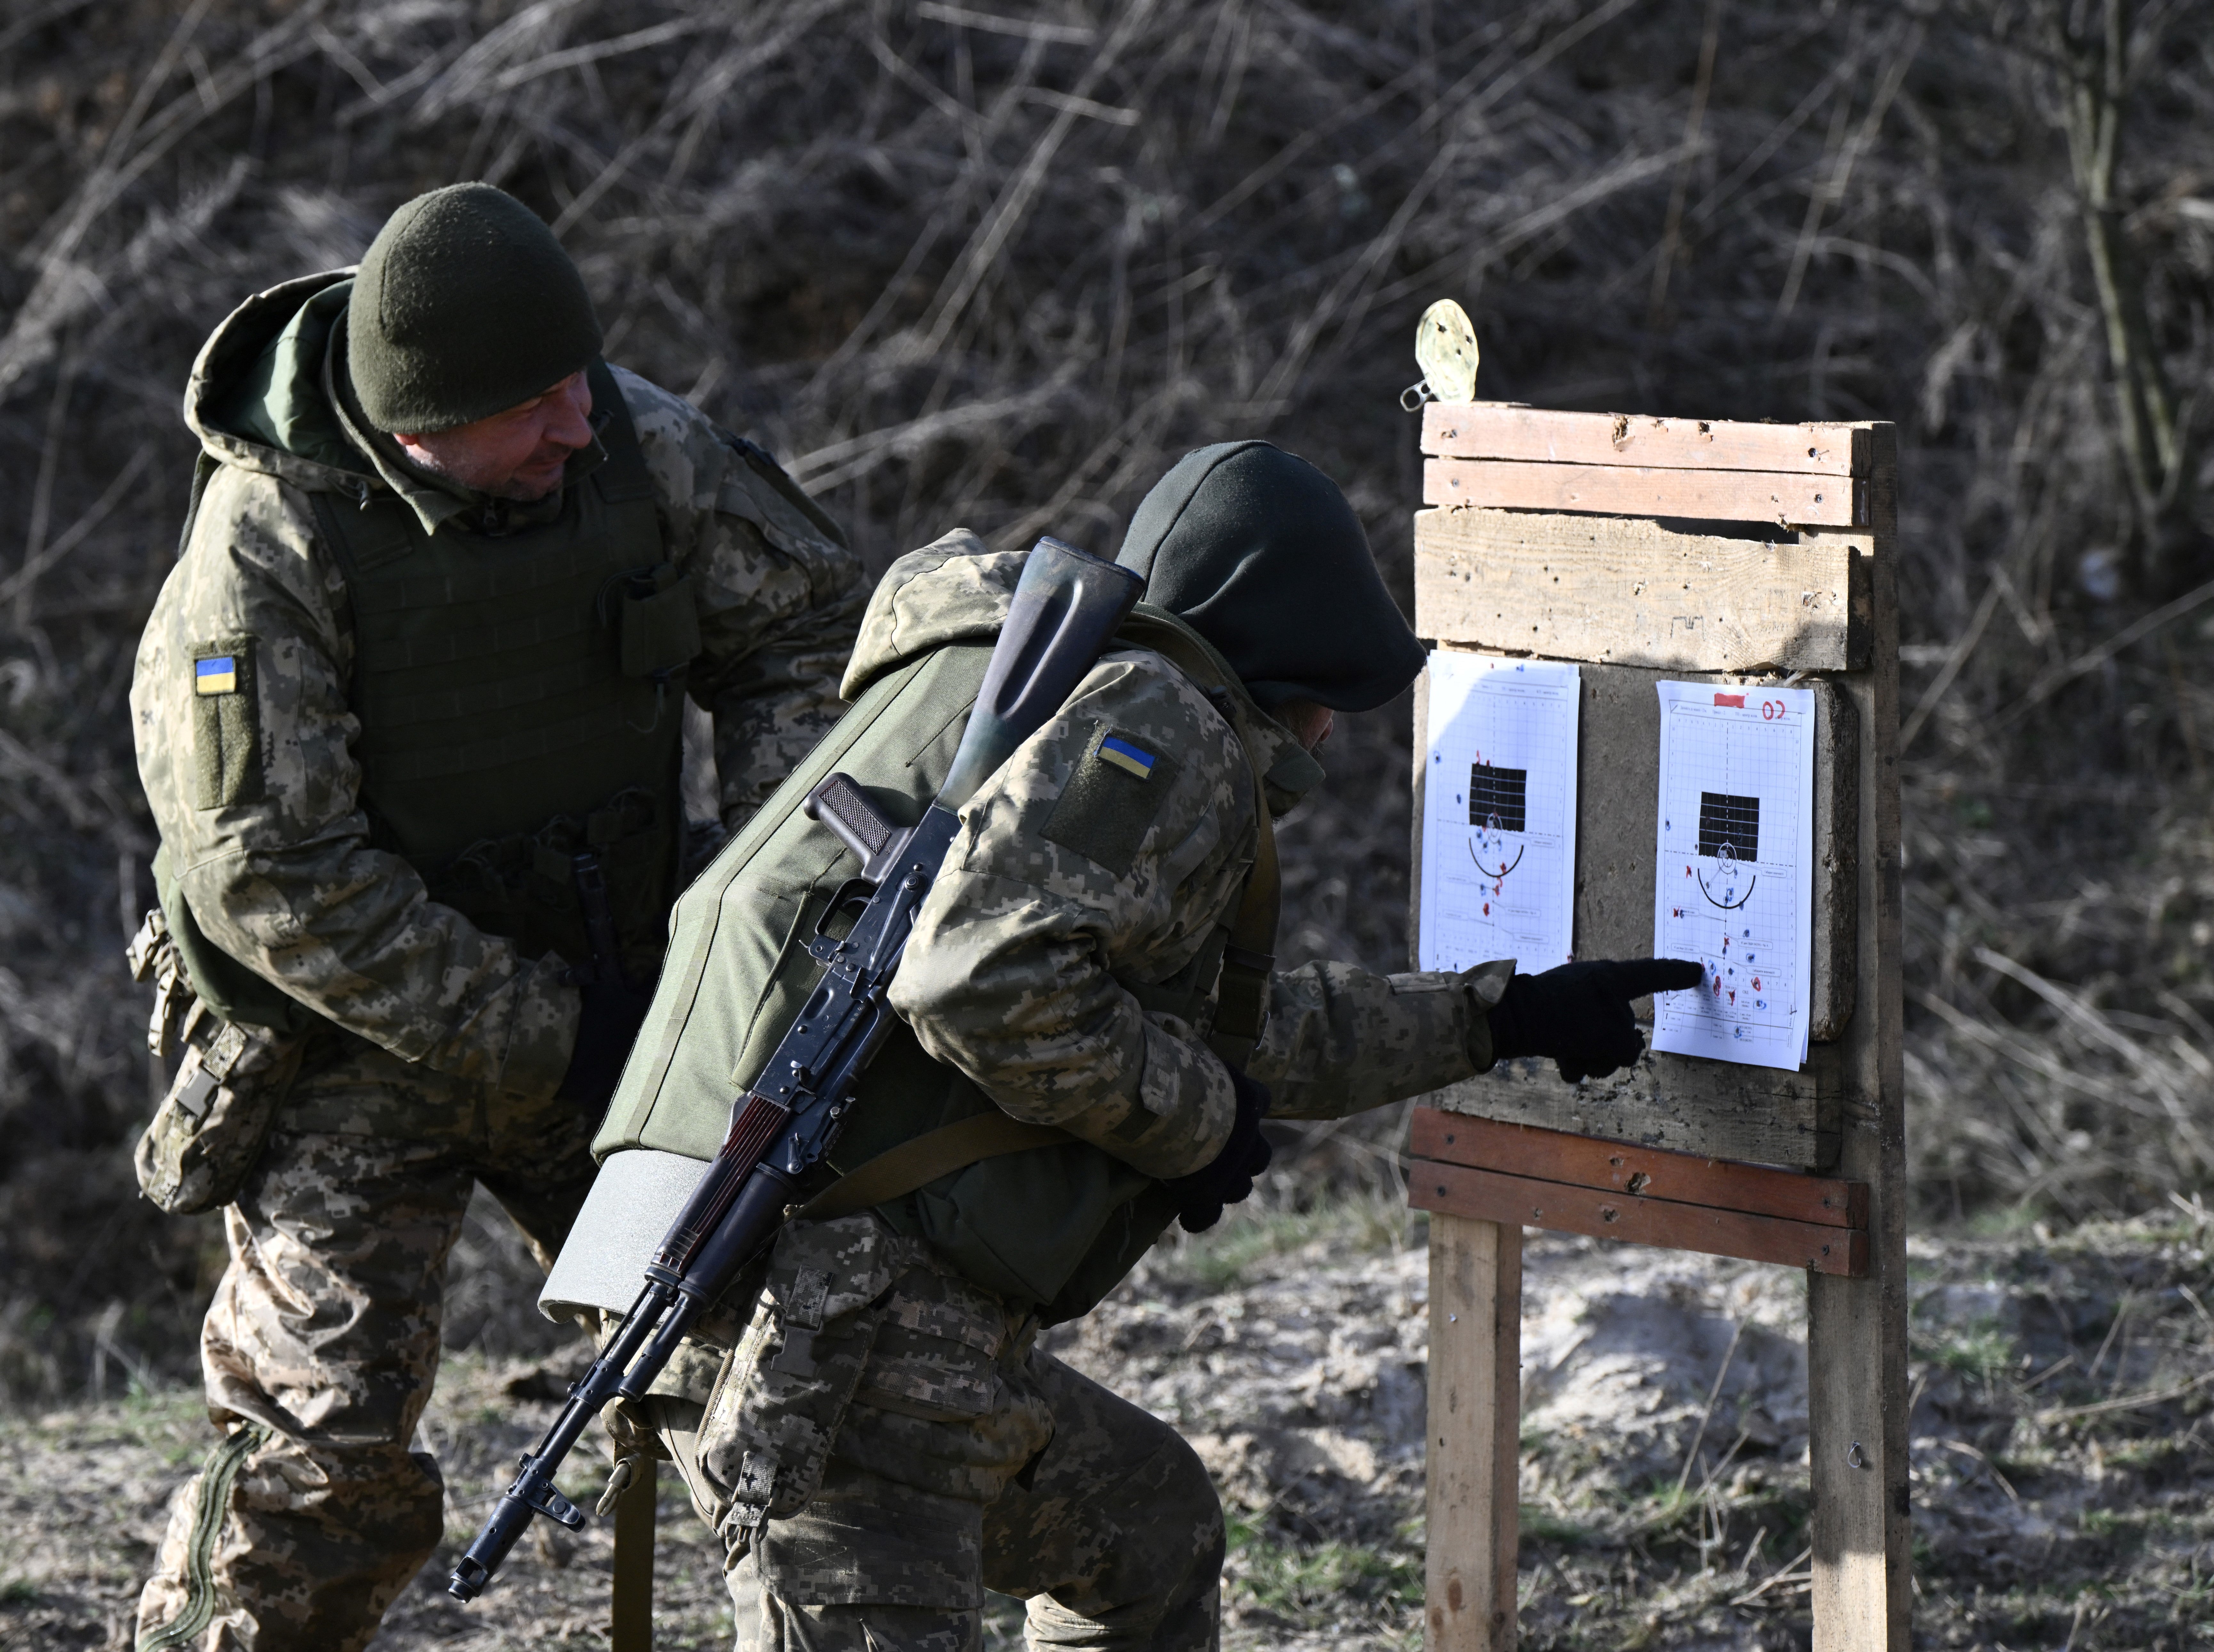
[(465, 305)]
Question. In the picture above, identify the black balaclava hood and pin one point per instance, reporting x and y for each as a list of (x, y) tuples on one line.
[(1261, 554)]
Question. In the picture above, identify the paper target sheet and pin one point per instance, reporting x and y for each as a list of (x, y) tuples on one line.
[(1499, 812), (1734, 888)]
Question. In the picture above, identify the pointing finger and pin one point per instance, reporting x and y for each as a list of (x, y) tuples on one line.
[(1633, 977)]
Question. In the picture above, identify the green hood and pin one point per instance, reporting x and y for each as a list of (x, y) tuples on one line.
[(953, 590), (256, 398)]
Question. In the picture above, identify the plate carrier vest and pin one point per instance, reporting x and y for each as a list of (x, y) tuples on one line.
[(521, 701)]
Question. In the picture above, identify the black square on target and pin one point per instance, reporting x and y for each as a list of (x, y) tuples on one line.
[(1732, 820), (1501, 794)]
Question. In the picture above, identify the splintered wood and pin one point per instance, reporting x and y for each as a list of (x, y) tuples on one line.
[(1578, 536), (1633, 593), (1620, 489)]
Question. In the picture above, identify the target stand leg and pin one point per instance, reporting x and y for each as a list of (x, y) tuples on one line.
[(1475, 1433)]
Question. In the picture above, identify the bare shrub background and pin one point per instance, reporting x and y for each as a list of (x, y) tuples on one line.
[(1001, 269)]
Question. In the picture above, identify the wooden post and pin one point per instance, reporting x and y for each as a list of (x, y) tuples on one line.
[(1475, 1430), (1857, 1328)]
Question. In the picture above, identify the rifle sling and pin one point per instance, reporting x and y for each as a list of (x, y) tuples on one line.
[(899, 1170)]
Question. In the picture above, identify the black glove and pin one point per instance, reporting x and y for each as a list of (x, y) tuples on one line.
[(1579, 1014), (614, 1011), (1229, 1177)]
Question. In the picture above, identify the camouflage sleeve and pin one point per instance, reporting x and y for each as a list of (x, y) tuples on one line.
[(1074, 874), (1340, 1040), (780, 594), (251, 776)]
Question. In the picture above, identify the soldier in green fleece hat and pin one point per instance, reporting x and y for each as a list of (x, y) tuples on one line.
[(408, 716), (872, 1427)]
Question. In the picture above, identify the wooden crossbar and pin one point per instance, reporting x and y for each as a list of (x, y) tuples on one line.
[(1605, 1190), (1626, 1167), (1784, 497), (1632, 593), (1503, 429)]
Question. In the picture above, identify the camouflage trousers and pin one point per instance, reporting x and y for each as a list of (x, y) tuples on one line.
[(884, 1444), (320, 1346)]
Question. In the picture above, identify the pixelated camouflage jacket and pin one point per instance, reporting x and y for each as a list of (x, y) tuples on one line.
[(1073, 877), (288, 884)]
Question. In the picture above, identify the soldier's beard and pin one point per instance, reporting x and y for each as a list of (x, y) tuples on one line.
[(494, 483)]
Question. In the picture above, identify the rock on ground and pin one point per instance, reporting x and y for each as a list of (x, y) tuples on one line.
[(2063, 1477)]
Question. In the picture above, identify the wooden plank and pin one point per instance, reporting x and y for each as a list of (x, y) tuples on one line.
[(1857, 1328), (1715, 1109), (1628, 592), (1474, 1436), (1490, 1196), (1631, 1171), (1834, 986), (1506, 429), (1778, 497)]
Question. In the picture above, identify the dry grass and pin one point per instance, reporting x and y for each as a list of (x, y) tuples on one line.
[(1001, 265)]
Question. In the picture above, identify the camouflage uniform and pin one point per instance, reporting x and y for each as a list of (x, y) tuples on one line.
[(924, 1451), (446, 1044), (884, 1442)]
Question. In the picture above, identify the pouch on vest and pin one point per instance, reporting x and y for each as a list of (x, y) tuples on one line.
[(660, 624), (210, 1128), (769, 1423), (523, 885)]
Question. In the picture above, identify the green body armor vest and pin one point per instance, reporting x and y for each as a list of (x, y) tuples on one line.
[(521, 702), (1056, 1226)]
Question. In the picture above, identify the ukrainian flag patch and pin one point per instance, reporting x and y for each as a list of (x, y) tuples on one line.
[(216, 675), (1113, 748), (1100, 813)]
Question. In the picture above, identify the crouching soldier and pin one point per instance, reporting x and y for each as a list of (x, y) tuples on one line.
[(1092, 1033)]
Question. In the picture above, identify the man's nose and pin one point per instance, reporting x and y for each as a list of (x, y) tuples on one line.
[(571, 425)]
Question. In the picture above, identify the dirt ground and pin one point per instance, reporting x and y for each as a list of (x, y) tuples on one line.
[(2064, 1477)]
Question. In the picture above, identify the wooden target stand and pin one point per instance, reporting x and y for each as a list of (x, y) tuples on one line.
[(1646, 549)]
